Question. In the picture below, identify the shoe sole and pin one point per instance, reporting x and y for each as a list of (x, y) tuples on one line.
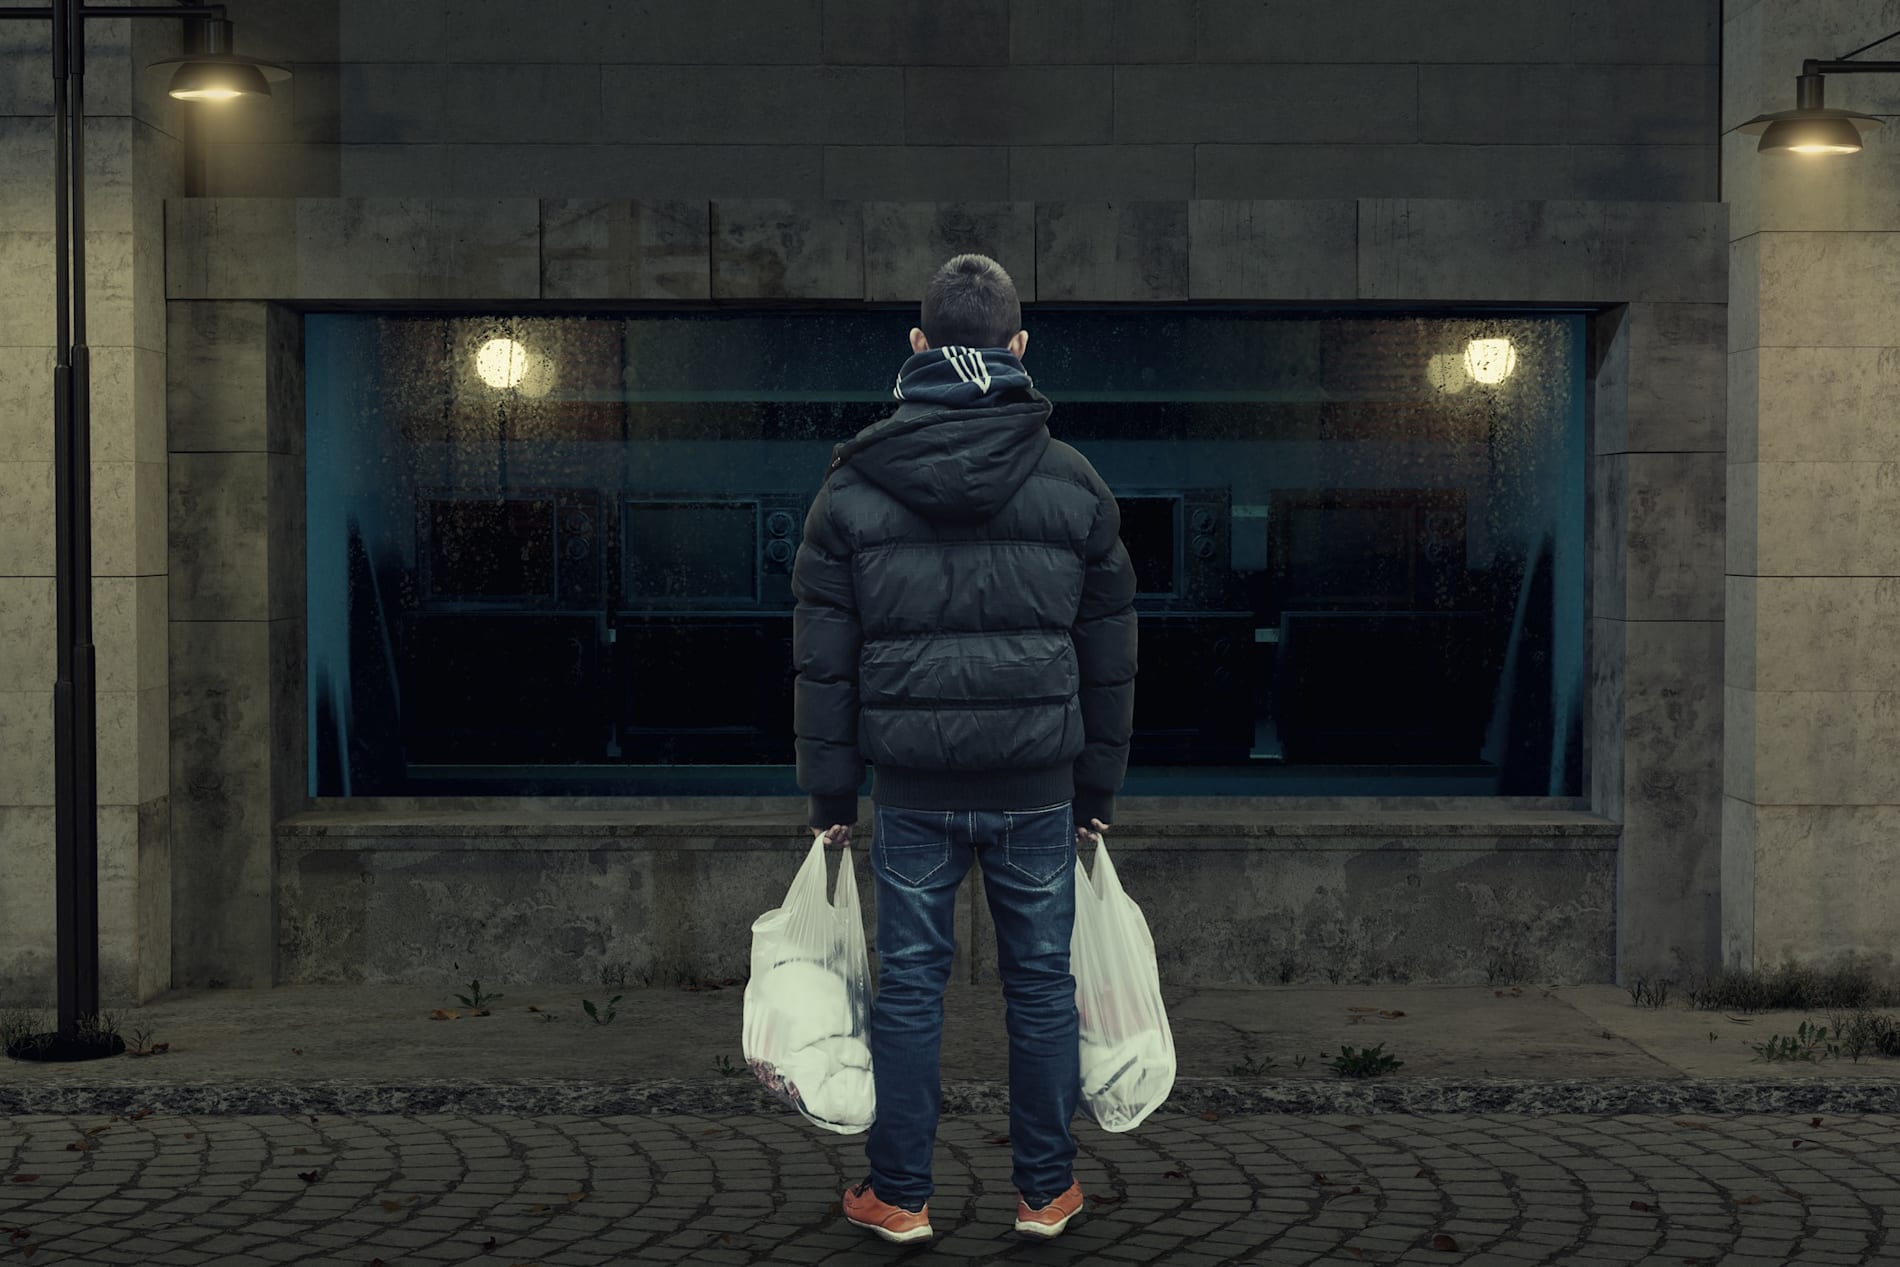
[(1043, 1231), (901, 1238)]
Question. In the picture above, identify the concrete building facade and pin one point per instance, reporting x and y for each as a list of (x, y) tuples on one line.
[(453, 154)]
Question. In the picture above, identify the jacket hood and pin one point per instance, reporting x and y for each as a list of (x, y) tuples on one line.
[(953, 463)]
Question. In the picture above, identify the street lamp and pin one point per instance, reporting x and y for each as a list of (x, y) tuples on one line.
[(213, 73), (1811, 127)]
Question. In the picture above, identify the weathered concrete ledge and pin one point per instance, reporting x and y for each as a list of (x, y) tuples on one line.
[(1233, 895), (1198, 824)]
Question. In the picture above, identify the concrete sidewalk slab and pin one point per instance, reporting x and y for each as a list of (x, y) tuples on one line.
[(1474, 1048)]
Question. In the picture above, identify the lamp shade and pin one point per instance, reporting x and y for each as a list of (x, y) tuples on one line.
[(221, 76), (1822, 131)]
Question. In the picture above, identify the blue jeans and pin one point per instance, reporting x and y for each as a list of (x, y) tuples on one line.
[(920, 858)]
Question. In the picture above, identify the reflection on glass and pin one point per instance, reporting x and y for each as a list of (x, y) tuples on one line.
[(1356, 573), (1490, 360)]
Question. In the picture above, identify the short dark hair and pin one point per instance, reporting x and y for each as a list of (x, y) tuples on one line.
[(971, 302)]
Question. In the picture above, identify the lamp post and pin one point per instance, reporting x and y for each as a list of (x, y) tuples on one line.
[(213, 73), (1811, 127)]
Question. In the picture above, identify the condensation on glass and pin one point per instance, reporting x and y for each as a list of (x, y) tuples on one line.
[(553, 555)]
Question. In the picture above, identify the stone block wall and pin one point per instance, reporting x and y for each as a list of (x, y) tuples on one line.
[(1811, 805), (977, 100), (482, 151)]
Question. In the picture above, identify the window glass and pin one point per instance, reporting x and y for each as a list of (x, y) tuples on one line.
[(553, 555)]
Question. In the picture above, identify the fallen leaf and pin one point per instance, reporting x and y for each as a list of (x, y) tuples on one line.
[(313, 1119), (1356, 1252), (17, 1234), (1697, 1126), (391, 1206), (1796, 1143), (29, 1249), (1392, 1014), (1442, 1241), (481, 1011), (711, 1130), (412, 1198), (95, 1130), (1359, 1127), (488, 1246), (537, 1209), (1355, 1187), (1099, 1199), (296, 1051), (1319, 1177), (725, 1238), (1172, 1174), (1424, 1172), (1641, 1205), (79, 1146), (375, 1262), (999, 1139), (443, 1014), (139, 1115), (189, 1135), (577, 1196), (300, 1149), (308, 1176), (1814, 1121), (534, 1007), (1210, 1117), (1748, 1200), (23, 1178)]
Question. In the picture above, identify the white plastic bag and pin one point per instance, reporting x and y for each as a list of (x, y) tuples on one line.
[(1127, 1047), (808, 1002)]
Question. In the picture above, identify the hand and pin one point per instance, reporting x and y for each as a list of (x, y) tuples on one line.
[(838, 834), (1082, 833)]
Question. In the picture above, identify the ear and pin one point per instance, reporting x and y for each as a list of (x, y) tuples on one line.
[(918, 343), (1019, 343)]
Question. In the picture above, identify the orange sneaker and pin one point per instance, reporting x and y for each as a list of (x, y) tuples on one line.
[(893, 1222), (1052, 1218)]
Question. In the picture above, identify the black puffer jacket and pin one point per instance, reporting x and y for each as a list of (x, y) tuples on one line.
[(965, 619)]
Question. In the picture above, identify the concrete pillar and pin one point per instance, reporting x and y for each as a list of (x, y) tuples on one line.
[(1811, 810), (132, 165)]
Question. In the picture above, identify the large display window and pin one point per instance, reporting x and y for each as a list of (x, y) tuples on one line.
[(552, 555)]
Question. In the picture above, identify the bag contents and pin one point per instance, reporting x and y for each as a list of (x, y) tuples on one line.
[(1128, 1061), (807, 1006)]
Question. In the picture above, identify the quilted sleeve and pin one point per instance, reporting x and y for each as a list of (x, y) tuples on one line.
[(826, 635), (1105, 652)]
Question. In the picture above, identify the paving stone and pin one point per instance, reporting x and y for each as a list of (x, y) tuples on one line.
[(1246, 1192)]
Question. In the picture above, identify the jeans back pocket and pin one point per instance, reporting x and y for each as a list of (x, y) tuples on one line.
[(912, 844), (1040, 843)]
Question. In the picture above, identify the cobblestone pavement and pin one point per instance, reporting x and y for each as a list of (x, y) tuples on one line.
[(494, 1190)]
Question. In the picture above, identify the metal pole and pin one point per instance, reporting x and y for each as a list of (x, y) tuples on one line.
[(75, 703), (74, 887), (85, 748)]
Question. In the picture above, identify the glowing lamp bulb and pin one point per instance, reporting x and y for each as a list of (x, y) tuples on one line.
[(1490, 360), (502, 362)]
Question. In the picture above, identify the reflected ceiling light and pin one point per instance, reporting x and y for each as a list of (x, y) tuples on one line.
[(218, 74), (1446, 373), (502, 362), (1490, 360), (1811, 127)]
